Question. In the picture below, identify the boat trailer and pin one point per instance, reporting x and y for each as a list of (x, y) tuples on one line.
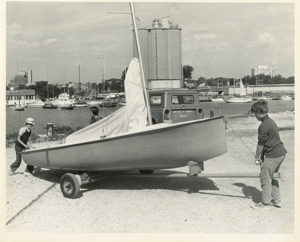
[(70, 183)]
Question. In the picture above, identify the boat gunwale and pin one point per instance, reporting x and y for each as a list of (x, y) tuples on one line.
[(123, 135)]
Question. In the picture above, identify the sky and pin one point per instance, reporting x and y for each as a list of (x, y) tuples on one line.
[(218, 39)]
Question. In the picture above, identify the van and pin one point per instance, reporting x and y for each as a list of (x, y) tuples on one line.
[(174, 105)]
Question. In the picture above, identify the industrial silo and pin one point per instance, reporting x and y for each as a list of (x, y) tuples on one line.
[(161, 54)]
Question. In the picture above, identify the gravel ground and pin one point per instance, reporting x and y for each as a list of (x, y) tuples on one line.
[(131, 204)]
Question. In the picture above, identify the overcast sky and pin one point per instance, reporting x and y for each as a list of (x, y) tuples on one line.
[(218, 39)]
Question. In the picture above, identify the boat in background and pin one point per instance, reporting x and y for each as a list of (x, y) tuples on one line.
[(49, 105), (217, 99), (80, 103), (121, 99), (109, 102), (35, 104), (285, 98), (94, 103), (242, 98), (238, 100), (63, 101), (70, 107), (204, 98), (19, 107), (10, 104)]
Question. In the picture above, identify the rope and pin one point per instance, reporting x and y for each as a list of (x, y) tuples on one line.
[(237, 134), (220, 113), (31, 203)]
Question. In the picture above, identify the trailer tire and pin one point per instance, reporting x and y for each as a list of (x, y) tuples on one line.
[(29, 169), (69, 185)]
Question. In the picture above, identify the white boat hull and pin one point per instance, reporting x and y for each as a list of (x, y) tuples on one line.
[(63, 104), (219, 100), (239, 100), (156, 147), (80, 105), (285, 98), (35, 105)]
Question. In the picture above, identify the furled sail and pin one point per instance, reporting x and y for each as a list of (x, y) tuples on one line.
[(135, 108), (131, 118)]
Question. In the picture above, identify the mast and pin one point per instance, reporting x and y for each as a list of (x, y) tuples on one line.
[(47, 85), (144, 85), (79, 87)]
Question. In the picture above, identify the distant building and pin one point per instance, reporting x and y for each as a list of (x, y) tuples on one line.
[(265, 70), (160, 47), (20, 96), (21, 79)]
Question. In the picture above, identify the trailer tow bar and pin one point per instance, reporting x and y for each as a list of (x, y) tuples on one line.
[(209, 175), (70, 183)]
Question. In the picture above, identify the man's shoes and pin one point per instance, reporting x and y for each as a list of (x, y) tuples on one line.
[(275, 204), (260, 205), (11, 173), (29, 169)]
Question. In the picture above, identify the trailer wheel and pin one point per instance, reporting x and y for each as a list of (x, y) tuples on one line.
[(29, 169), (146, 172), (69, 185)]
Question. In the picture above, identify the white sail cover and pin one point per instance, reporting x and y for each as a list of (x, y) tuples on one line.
[(131, 118)]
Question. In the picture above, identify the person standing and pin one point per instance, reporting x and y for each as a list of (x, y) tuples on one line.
[(270, 153), (21, 144), (94, 114)]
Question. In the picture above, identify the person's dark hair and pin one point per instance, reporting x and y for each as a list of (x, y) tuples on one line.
[(260, 106), (94, 110)]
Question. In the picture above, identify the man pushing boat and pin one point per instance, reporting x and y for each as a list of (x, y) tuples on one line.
[(270, 153), (21, 144)]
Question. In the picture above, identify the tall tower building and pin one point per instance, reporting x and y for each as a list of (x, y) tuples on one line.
[(161, 53)]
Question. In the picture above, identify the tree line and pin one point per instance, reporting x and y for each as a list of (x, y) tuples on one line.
[(247, 80), (44, 90)]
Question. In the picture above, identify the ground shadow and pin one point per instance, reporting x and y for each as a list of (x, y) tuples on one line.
[(185, 184), (135, 181), (48, 175), (160, 179), (250, 192)]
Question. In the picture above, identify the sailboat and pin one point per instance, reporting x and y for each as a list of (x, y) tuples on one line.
[(242, 98), (63, 101), (19, 107), (126, 140)]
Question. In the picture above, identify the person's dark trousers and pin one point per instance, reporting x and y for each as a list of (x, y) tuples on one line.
[(14, 166)]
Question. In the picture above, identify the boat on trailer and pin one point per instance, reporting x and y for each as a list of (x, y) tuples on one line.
[(155, 147), (126, 140)]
